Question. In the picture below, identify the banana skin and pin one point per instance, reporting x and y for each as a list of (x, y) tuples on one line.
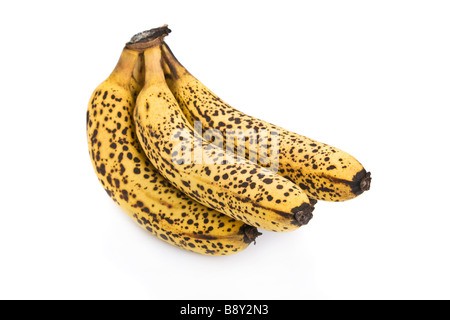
[(244, 190), (322, 171), (134, 183)]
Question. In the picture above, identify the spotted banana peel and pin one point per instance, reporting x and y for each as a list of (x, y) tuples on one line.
[(324, 172), (135, 184)]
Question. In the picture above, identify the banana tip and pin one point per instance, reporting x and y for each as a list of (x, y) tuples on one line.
[(250, 234), (360, 183), (303, 214), (365, 182)]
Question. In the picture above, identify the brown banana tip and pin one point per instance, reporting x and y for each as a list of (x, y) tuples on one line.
[(147, 39), (365, 182), (250, 234), (303, 214), (360, 182), (312, 202)]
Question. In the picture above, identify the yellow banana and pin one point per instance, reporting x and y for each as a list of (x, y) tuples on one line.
[(244, 191), (137, 187), (322, 171)]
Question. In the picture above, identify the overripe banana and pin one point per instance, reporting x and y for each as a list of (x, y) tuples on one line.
[(243, 190), (322, 171), (137, 187)]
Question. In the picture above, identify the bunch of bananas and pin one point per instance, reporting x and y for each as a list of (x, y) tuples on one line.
[(145, 134)]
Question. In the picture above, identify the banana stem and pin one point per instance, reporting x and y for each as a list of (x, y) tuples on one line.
[(125, 66), (138, 72), (154, 72), (172, 62), (147, 39)]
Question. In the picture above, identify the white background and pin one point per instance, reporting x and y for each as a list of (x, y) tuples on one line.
[(369, 77)]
